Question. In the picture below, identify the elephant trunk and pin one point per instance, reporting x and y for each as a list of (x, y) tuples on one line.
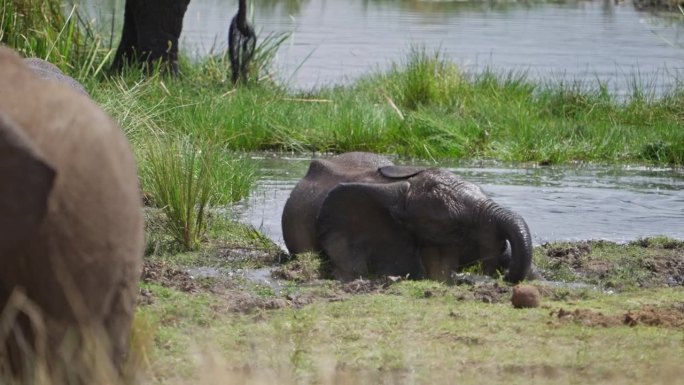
[(513, 228)]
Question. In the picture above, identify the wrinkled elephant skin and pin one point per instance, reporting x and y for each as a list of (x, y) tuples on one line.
[(71, 229), (370, 217), (46, 70)]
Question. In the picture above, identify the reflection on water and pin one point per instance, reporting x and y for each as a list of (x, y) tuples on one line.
[(558, 203), (335, 40)]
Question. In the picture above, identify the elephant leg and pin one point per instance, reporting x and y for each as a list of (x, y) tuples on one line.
[(118, 323), (441, 261), (362, 237)]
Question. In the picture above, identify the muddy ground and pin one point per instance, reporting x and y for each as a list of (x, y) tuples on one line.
[(647, 262), (594, 266)]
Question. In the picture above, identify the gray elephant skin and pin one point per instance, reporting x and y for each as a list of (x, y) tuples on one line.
[(71, 229), (370, 217), (46, 70)]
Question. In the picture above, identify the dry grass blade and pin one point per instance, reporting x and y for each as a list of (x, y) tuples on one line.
[(81, 357)]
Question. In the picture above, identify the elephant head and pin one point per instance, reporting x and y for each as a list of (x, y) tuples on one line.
[(393, 220), (71, 228)]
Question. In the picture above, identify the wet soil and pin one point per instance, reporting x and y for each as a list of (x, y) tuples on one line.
[(667, 317), (571, 256), (648, 262), (663, 265), (162, 273)]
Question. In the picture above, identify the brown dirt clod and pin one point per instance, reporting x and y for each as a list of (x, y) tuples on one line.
[(525, 296), (667, 317), (652, 316)]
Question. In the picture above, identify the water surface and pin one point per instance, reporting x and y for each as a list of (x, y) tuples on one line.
[(619, 203), (335, 41)]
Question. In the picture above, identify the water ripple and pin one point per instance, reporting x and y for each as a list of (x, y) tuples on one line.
[(558, 203)]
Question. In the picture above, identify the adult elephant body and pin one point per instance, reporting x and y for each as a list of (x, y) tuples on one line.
[(369, 216), (71, 229)]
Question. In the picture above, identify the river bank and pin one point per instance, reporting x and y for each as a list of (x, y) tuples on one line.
[(425, 107), (614, 316), (612, 313)]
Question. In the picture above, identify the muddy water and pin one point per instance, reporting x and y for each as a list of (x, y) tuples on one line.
[(334, 41), (559, 203)]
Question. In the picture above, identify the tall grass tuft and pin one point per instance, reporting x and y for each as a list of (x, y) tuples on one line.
[(261, 67), (186, 177), (425, 78), (126, 103), (44, 29), (215, 68)]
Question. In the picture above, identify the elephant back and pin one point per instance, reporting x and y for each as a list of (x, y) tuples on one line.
[(83, 261), (48, 71), (400, 172), (302, 207)]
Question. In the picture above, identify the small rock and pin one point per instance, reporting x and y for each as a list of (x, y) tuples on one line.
[(525, 296)]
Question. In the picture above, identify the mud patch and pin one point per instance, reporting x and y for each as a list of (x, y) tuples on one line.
[(253, 257), (664, 317), (492, 292), (304, 267), (586, 317), (162, 273), (243, 302), (367, 286), (667, 317), (668, 269), (488, 292), (572, 256), (646, 262)]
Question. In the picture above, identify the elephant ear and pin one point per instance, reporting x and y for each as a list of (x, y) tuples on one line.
[(358, 231), (26, 181), (400, 172)]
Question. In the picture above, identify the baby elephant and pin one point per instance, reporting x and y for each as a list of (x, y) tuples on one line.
[(369, 216), (71, 225)]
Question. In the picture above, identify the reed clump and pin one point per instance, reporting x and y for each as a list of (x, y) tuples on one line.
[(425, 107), (185, 177), (48, 30)]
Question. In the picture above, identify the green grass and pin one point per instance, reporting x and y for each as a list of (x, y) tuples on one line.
[(188, 134), (406, 332), (47, 30), (185, 177), (423, 332), (423, 108), (642, 263)]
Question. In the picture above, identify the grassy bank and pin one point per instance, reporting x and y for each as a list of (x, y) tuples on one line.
[(424, 107), (606, 327), (205, 314)]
